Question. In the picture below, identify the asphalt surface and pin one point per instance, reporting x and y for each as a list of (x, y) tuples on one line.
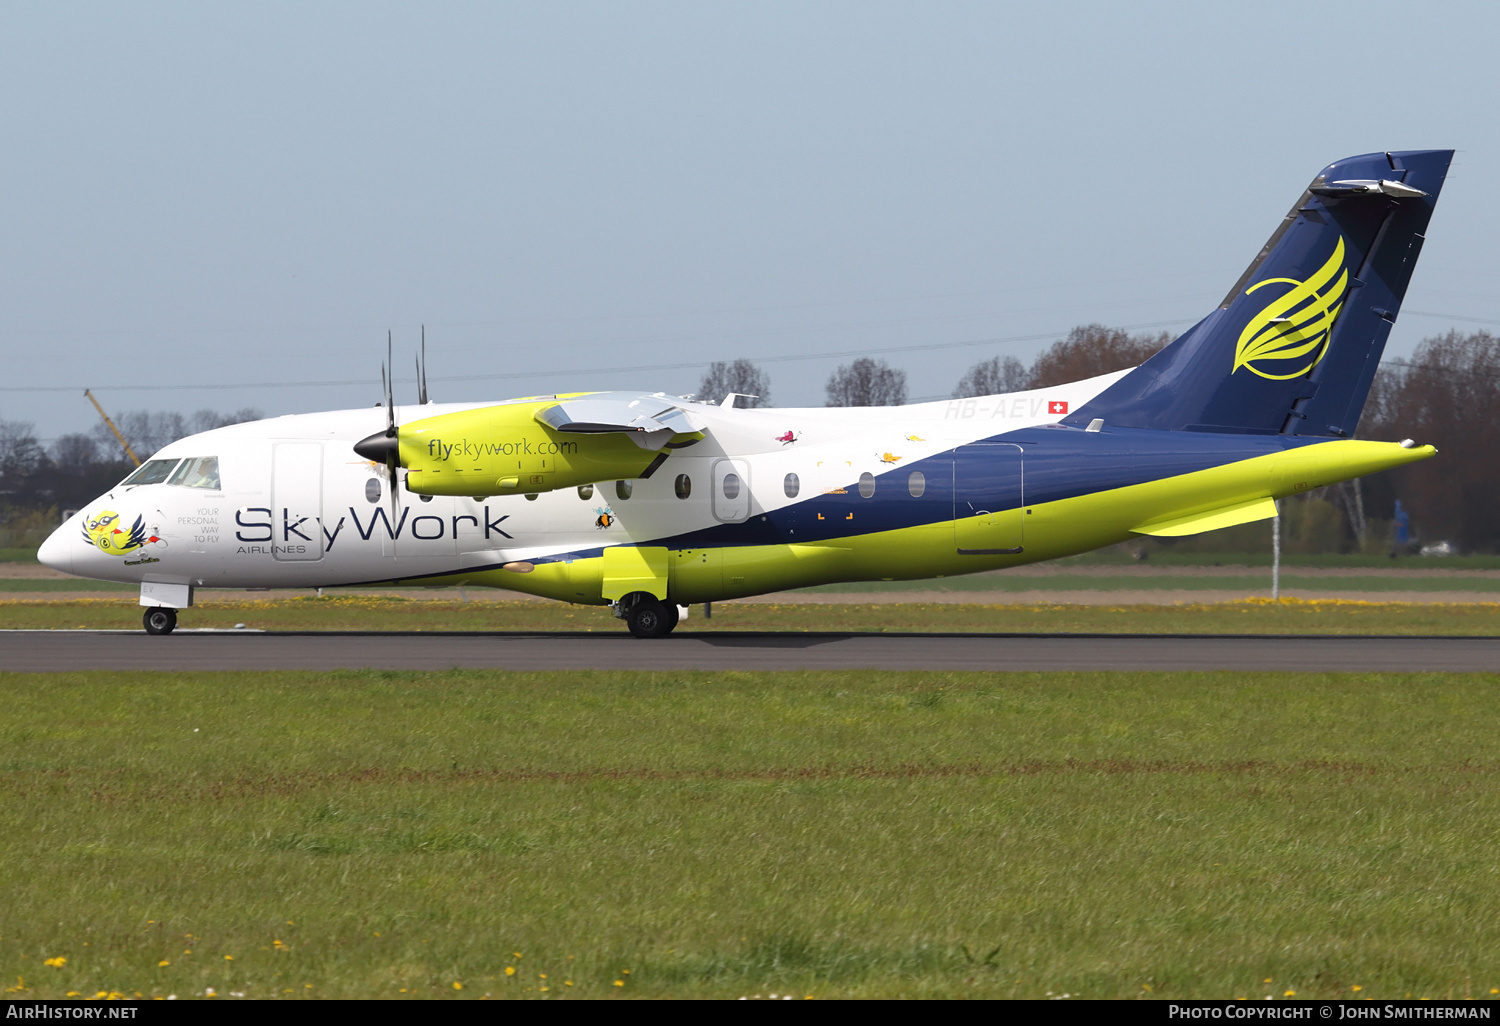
[(52, 651)]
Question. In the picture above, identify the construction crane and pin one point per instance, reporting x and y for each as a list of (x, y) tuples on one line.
[(128, 450)]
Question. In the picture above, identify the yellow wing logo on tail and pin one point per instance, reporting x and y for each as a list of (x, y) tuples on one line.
[(1296, 323)]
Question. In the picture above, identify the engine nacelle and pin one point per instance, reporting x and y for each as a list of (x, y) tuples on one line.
[(534, 446)]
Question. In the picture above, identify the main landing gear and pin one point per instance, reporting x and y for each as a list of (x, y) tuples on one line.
[(160, 620), (646, 615)]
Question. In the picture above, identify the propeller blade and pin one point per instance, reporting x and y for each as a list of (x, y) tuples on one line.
[(384, 447), (422, 371), (389, 383)]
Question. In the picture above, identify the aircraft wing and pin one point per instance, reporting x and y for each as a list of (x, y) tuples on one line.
[(649, 421)]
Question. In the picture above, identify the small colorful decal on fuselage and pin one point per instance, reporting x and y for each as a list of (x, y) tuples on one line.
[(104, 533)]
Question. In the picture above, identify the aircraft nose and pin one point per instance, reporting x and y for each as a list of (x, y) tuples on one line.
[(57, 550)]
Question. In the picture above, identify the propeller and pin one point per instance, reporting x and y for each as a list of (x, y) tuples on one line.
[(422, 399), (384, 446)]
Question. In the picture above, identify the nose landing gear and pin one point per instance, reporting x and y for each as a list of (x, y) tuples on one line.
[(160, 620)]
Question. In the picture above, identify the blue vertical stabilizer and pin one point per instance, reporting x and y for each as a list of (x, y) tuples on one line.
[(1294, 346)]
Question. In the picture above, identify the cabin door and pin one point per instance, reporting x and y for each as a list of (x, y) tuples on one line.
[(987, 499), (297, 501)]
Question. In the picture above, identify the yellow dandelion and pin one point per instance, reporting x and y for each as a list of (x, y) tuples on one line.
[(1495, 990), (56, 963), (569, 983), (545, 989), (163, 964), (229, 958), (510, 970), (516, 953), (1290, 993), (619, 983), (457, 985), (541, 976), (187, 951), (624, 972), (1357, 988)]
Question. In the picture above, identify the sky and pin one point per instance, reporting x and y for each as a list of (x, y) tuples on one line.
[(217, 206)]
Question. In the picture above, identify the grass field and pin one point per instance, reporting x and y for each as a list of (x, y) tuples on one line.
[(849, 834), (370, 612)]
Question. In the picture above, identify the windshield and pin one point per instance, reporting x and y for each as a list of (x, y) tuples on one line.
[(197, 472), (151, 472)]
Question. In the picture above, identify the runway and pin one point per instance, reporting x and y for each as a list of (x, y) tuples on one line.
[(60, 651)]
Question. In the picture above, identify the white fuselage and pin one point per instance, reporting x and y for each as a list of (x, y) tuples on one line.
[(296, 507)]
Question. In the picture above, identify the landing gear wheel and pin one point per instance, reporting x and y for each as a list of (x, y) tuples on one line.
[(649, 618), (160, 620)]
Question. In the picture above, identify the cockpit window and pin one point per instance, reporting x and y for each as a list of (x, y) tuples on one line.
[(151, 472), (198, 472)]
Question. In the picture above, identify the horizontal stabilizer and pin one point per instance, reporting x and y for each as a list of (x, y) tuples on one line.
[(1211, 520)]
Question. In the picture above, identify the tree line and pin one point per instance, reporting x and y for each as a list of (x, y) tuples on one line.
[(37, 482), (1088, 350)]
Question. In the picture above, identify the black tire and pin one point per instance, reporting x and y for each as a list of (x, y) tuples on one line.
[(649, 618), (159, 620)]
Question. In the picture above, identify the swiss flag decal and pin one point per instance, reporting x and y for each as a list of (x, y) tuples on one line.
[(1057, 407)]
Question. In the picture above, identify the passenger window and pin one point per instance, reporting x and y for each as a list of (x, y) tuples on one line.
[(372, 489), (202, 472), (792, 486), (623, 489), (916, 484), (731, 486), (684, 486), (867, 484), (151, 472), (586, 491)]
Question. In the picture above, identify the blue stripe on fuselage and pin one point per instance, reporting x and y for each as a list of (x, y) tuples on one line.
[(1060, 463)]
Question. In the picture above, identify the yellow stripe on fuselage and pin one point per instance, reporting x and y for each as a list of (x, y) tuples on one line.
[(1063, 527)]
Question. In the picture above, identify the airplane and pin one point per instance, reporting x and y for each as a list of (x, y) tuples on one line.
[(649, 502)]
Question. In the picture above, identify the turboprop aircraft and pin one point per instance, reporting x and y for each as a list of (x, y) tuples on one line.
[(648, 502)]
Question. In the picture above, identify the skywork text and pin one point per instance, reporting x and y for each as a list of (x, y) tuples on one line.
[(424, 527)]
